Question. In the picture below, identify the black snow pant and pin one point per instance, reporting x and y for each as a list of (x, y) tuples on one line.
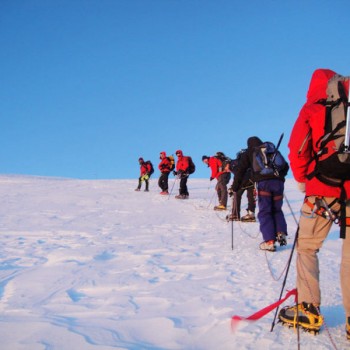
[(183, 186), (163, 181), (221, 188), (140, 183), (249, 187)]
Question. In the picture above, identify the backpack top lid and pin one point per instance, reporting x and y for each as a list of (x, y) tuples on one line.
[(220, 155), (338, 88)]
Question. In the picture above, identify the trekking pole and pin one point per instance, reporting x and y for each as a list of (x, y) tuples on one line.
[(298, 328), (172, 188), (347, 129), (279, 141), (234, 211), (230, 217), (285, 277), (277, 147), (211, 199), (290, 208)]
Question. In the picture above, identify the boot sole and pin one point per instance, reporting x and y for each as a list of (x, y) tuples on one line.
[(268, 250), (315, 331)]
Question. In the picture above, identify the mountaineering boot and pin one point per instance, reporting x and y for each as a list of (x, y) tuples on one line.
[(220, 207), (146, 190), (250, 217), (307, 316), (232, 217), (181, 196), (137, 189), (268, 245), (347, 328), (281, 238), (164, 193)]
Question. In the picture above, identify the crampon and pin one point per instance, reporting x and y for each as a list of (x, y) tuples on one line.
[(304, 315)]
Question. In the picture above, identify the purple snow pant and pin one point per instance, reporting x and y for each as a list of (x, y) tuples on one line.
[(270, 200)]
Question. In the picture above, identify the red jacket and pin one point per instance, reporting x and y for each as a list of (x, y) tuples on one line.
[(165, 164), (144, 168), (214, 164), (182, 162), (302, 146)]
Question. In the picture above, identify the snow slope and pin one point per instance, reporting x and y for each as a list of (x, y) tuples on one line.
[(92, 264)]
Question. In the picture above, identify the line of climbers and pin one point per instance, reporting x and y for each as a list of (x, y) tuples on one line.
[(260, 170), (183, 169)]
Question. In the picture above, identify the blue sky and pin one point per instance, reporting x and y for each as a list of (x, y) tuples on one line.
[(89, 86)]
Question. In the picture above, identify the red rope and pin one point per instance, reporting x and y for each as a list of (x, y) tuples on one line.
[(261, 313)]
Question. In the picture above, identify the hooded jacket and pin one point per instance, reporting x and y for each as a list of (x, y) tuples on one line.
[(165, 164), (182, 163), (215, 164), (144, 167), (307, 130), (245, 162)]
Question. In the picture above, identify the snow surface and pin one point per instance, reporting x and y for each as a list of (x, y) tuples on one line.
[(92, 264)]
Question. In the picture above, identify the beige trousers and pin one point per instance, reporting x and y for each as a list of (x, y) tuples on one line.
[(313, 230)]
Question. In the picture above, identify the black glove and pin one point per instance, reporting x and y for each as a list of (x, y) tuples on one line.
[(234, 188), (211, 178), (231, 192), (174, 173)]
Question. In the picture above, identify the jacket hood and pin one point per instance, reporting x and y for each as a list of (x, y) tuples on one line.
[(179, 153), (163, 154), (318, 84), (254, 141), (141, 159)]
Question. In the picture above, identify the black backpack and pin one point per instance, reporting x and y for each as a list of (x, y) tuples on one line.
[(234, 163), (191, 165), (226, 162), (268, 161), (151, 167), (333, 157)]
